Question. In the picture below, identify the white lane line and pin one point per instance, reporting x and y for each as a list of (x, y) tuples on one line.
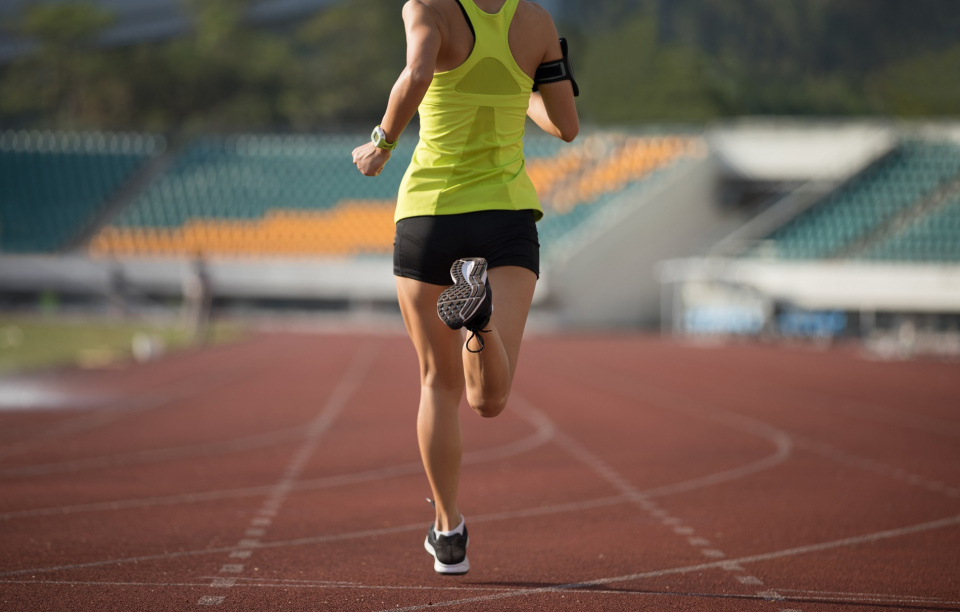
[(751, 580), (788, 552), (106, 583), (279, 583), (847, 458), (871, 412), (543, 433), (607, 472), (224, 583), (829, 595), (121, 408), (666, 400), (211, 600), (234, 551), (351, 381), (210, 449), (104, 416)]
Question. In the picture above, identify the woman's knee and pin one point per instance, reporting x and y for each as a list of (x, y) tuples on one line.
[(487, 405)]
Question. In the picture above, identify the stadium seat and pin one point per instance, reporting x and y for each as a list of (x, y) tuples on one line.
[(53, 185), (301, 196), (893, 185)]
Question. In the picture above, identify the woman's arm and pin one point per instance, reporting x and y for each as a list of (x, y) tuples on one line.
[(553, 107), (423, 45), (555, 112)]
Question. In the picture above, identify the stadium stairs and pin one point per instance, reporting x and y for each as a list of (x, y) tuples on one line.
[(885, 240)]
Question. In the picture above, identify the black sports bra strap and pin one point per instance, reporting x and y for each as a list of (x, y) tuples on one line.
[(467, 17)]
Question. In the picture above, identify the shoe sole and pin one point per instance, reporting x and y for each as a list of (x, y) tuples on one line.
[(456, 569), (460, 302)]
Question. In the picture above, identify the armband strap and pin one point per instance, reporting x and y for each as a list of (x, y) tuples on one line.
[(556, 71)]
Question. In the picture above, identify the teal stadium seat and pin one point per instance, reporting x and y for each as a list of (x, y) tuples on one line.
[(244, 177), (934, 237), (900, 180), (53, 185), (307, 188)]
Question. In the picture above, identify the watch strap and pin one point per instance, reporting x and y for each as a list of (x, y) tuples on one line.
[(379, 139)]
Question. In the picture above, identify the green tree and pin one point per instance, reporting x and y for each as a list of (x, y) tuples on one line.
[(56, 82), (923, 85), (629, 76), (225, 75), (351, 56)]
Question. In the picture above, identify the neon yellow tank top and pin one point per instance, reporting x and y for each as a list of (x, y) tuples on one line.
[(472, 118)]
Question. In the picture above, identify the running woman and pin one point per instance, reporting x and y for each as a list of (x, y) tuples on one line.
[(466, 213)]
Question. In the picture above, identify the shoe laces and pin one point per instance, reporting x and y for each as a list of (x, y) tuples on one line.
[(476, 334)]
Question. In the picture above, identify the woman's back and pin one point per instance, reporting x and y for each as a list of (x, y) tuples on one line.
[(472, 119), (529, 37)]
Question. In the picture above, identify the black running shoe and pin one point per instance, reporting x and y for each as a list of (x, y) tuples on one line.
[(449, 552), (469, 302)]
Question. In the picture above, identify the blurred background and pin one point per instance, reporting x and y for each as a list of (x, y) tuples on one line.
[(174, 172)]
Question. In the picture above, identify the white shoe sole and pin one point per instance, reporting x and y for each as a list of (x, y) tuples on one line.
[(442, 568)]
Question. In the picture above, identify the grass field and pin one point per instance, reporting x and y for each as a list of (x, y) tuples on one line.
[(37, 342)]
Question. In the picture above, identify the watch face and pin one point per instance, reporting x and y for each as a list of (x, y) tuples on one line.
[(379, 138)]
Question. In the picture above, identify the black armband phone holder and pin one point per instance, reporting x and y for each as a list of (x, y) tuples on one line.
[(556, 71)]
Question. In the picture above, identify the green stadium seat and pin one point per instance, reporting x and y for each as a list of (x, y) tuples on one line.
[(52, 185), (913, 171)]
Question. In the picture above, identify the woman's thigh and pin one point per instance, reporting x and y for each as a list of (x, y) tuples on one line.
[(513, 288), (438, 347)]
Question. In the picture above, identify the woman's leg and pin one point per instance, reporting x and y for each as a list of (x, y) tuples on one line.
[(489, 373), (441, 387)]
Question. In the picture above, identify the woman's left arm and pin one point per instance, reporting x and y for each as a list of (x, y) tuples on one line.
[(423, 45)]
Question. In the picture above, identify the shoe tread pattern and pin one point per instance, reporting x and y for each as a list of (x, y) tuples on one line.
[(460, 302)]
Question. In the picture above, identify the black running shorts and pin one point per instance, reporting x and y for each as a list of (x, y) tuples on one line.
[(424, 248)]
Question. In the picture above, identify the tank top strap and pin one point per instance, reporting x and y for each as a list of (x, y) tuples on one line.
[(509, 10), (499, 21)]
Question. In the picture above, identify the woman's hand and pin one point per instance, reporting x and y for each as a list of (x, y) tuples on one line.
[(370, 159)]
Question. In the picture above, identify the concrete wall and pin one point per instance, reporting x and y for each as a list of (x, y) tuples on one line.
[(359, 279), (843, 285), (609, 279)]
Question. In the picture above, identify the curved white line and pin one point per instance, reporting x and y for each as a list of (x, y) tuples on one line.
[(543, 432), (788, 552), (338, 537), (160, 454), (123, 407)]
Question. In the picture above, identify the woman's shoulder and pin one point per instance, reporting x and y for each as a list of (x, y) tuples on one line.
[(535, 19), (533, 11)]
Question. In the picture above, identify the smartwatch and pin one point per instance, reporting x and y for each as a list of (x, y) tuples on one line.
[(379, 138)]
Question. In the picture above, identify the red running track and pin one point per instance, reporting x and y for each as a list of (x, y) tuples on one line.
[(628, 473)]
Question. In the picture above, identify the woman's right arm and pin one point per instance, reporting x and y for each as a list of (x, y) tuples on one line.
[(423, 44), (553, 107)]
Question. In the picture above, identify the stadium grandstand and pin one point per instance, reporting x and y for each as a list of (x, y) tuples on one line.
[(739, 229), (870, 250)]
